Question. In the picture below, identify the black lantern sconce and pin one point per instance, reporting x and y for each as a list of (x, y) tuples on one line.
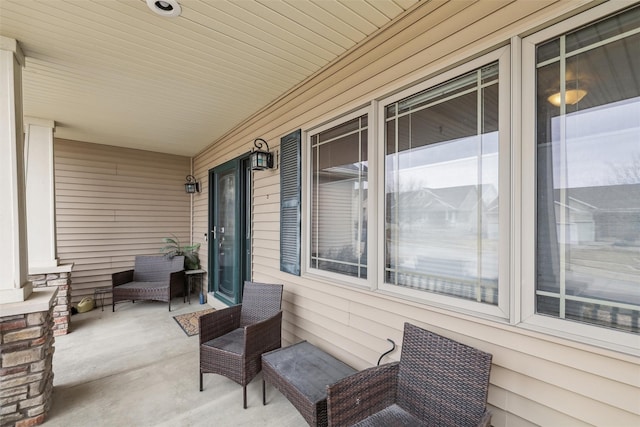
[(191, 186), (261, 160)]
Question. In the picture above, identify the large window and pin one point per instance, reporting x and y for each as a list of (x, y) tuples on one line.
[(588, 174), (339, 198), (441, 188), (510, 190), (441, 158)]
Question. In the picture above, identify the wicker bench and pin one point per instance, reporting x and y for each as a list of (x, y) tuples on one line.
[(156, 278), (302, 373)]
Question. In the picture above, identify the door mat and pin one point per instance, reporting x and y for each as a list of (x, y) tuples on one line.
[(189, 321)]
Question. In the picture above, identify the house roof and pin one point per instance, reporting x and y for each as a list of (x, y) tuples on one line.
[(609, 198), (115, 73), (463, 197)]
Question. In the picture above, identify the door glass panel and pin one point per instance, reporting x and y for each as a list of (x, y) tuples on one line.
[(226, 225)]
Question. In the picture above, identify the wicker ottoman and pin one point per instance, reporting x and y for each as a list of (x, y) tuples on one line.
[(302, 372)]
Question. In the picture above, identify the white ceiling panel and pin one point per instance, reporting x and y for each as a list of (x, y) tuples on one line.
[(113, 72)]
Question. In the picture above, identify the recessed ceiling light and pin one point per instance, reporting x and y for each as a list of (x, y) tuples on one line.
[(168, 8)]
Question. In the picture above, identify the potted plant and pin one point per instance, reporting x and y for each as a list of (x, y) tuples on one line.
[(190, 252)]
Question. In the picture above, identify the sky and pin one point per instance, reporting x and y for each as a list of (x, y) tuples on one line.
[(598, 141)]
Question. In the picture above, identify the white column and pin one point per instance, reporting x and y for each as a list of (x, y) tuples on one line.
[(41, 208), (14, 286)]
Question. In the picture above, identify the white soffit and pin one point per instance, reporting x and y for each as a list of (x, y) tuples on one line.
[(114, 72)]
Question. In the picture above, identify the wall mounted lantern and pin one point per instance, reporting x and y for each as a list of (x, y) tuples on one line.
[(191, 186), (261, 160)]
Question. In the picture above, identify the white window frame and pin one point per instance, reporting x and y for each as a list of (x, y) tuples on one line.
[(517, 192), (502, 309), (583, 332), (307, 169)]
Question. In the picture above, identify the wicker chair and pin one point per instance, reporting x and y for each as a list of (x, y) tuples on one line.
[(232, 340), (438, 382), (156, 278)]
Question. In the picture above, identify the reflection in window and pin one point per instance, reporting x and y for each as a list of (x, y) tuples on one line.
[(588, 174), (441, 188), (339, 199)]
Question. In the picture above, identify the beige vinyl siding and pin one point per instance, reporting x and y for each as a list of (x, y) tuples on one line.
[(537, 379), (112, 204)]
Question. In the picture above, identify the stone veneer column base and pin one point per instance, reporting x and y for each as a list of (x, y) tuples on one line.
[(59, 277), (26, 370)]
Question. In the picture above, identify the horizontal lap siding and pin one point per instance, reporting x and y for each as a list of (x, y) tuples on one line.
[(112, 204), (536, 379)]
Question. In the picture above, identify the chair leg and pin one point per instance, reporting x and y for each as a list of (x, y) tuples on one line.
[(264, 396), (244, 396), (200, 380)]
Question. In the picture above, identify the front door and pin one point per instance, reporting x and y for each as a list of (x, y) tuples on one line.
[(230, 231)]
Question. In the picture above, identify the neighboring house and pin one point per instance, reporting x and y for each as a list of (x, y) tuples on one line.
[(579, 225), (609, 213), (450, 207)]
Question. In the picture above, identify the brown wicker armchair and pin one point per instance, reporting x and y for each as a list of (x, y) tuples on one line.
[(438, 382), (156, 278), (232, 340)]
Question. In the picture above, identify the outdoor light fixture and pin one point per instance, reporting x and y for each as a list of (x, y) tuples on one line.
[(191, 186), (260, 160), (572, 94)]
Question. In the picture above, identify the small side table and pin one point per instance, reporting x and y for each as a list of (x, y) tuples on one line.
[(98, 294), (302, 373), (193, 274)]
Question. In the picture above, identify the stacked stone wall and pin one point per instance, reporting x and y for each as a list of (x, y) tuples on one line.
[(62, 309), (26, 370)]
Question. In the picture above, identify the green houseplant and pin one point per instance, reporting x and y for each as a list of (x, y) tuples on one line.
[(190, 252)]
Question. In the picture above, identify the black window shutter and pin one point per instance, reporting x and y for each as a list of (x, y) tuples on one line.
[(290, 215)]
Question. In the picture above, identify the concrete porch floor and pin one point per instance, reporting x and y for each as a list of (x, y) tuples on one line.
[(136, 367)]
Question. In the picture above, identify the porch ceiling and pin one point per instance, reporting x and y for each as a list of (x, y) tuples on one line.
[(113, 72)]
